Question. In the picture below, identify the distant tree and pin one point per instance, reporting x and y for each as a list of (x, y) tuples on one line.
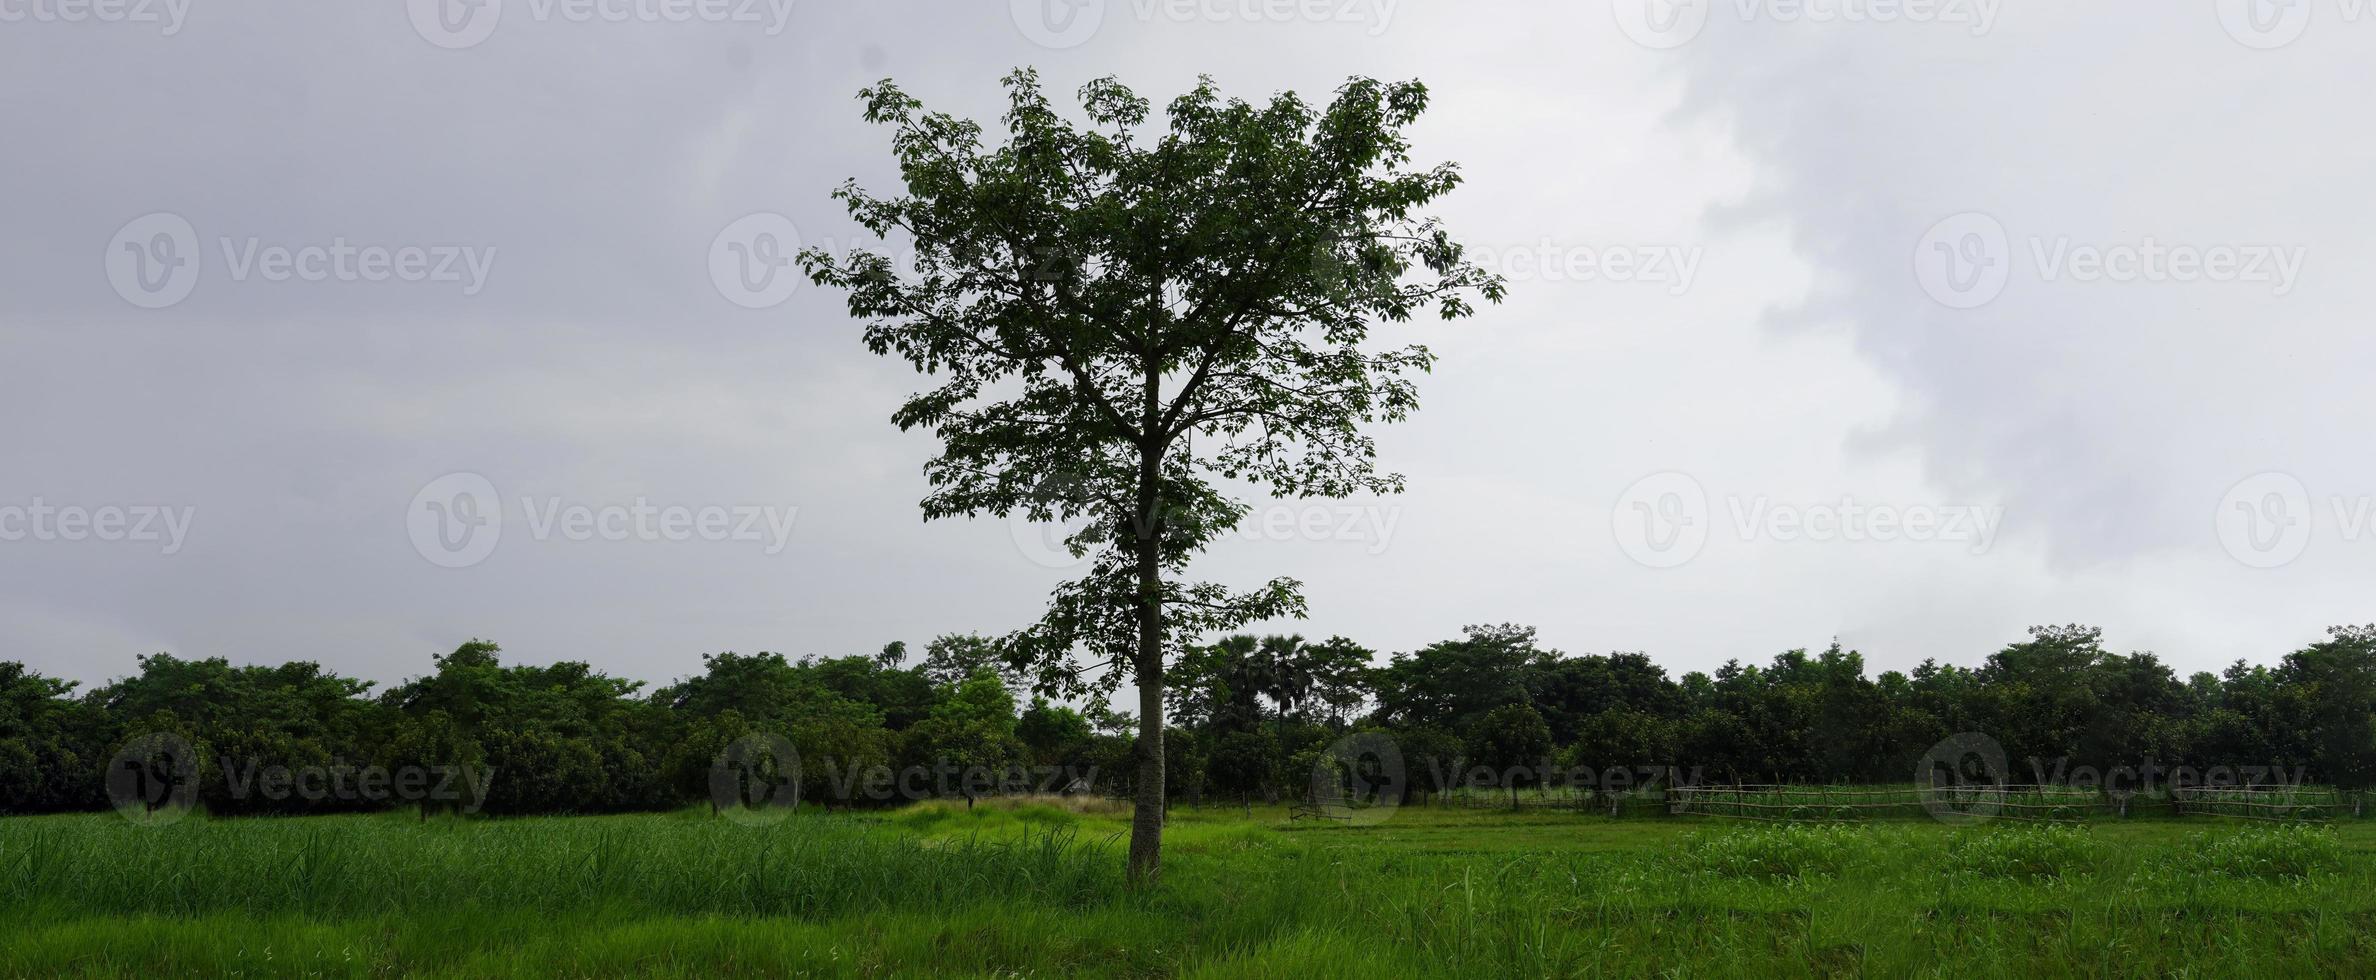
[(1188, 757), (1624, 738), (1218, 687), (1435, 759), (1338, 671), (1244, 764), (433, 744), (1510, 739), (1052, 732), (971, 733), (51, 746), (2034, 695), (764, 688), (563, 737), (1454, 683), (2336, 681), (902, 697), (953, 659)]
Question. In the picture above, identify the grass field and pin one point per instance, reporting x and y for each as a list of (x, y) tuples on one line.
[(1036, 890)]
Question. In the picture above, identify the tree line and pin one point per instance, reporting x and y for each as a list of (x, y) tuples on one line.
[(1250, 719)]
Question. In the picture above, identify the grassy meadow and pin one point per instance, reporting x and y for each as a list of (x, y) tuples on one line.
[(1022, 888)]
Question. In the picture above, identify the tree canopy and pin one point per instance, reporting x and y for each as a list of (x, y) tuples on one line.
[(1119, 317)]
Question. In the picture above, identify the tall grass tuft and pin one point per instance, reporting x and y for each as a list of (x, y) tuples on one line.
[(2021, 852), (1776, 852), (2268, 853)]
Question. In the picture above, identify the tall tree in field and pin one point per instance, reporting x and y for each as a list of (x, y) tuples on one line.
[(1116, 315)]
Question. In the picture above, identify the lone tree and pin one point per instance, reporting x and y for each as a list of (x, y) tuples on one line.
[(1117, 315)]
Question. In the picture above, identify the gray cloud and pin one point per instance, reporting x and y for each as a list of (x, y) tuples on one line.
[(591, 165)]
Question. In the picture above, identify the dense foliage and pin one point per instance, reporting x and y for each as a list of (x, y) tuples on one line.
[(1251, 717)]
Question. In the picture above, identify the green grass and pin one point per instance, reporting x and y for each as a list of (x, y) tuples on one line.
[(1036, 890)]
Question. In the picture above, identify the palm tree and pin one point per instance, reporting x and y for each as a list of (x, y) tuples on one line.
[(1285, 673)]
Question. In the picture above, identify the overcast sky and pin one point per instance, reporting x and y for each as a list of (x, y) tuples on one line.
[(348, 332)]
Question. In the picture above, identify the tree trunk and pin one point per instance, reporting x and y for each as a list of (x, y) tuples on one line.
[(1146, 819)]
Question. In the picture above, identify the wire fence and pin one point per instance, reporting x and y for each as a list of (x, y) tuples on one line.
[(1782, 802), (2279, 803), (1614, 803), (1525, 800), (1837, 803)]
